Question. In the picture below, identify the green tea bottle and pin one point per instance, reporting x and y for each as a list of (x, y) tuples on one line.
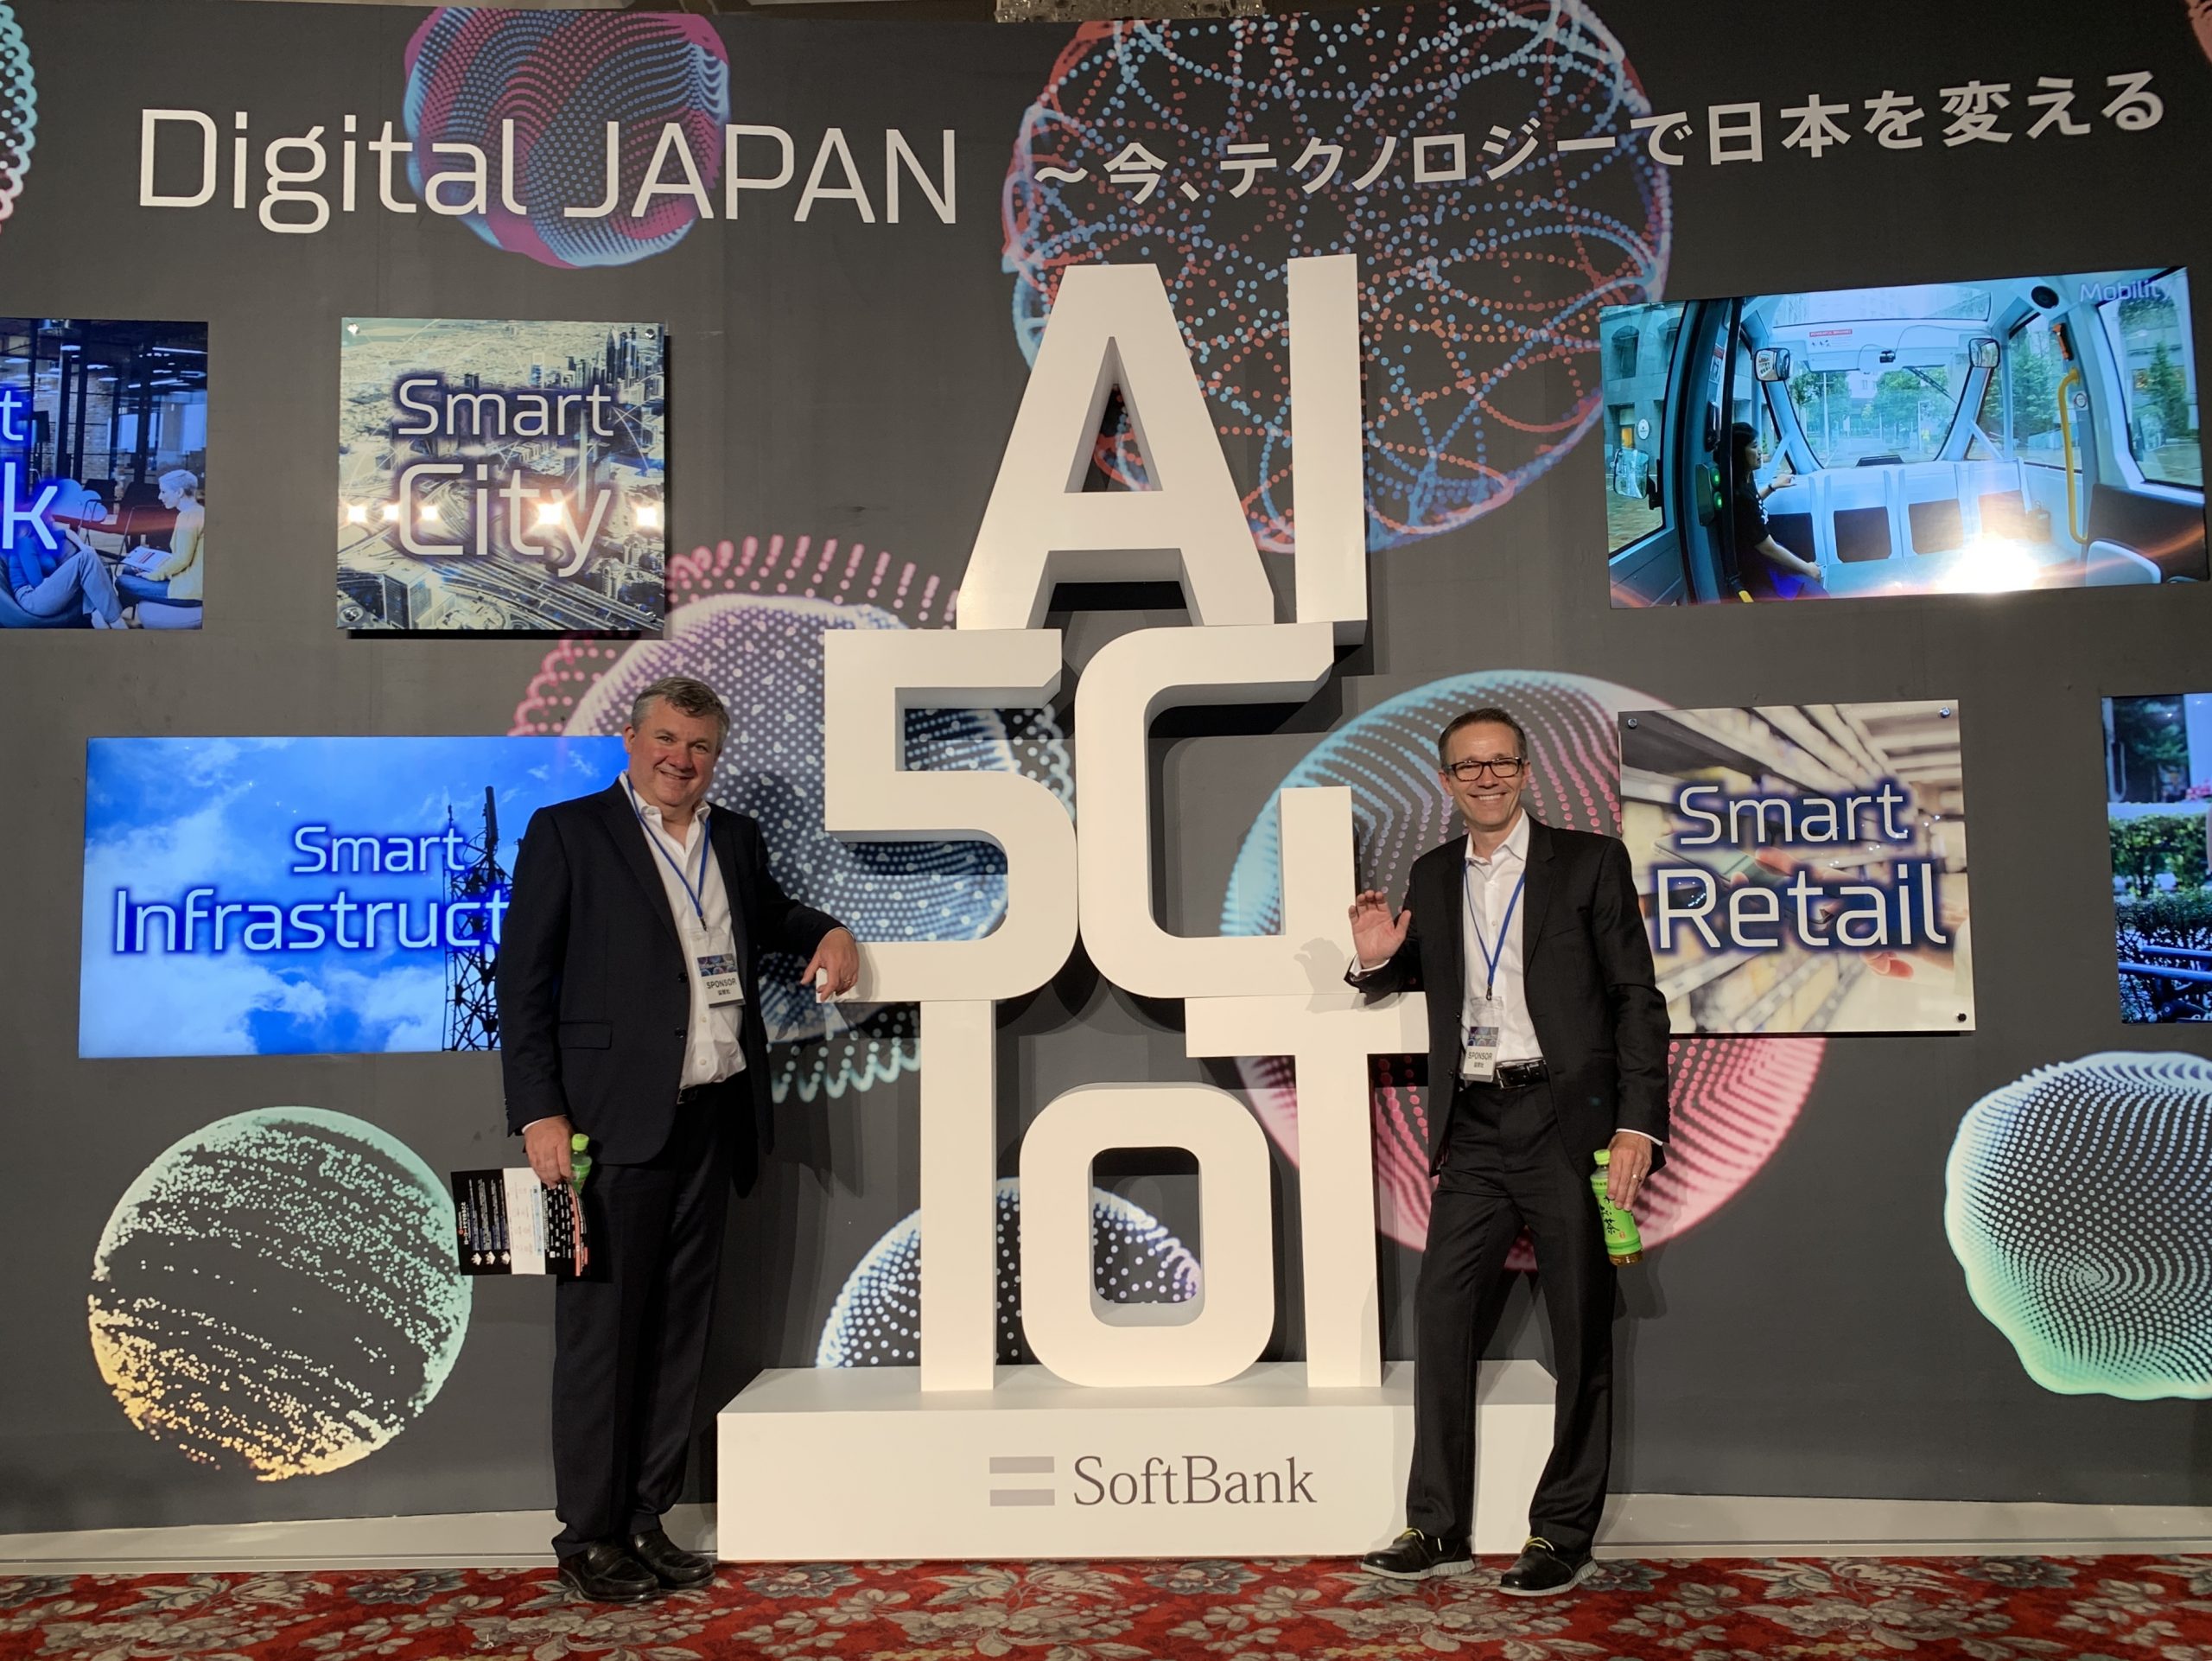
[(1623, 1243)]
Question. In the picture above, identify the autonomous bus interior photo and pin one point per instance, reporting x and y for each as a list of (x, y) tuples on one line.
[(1963, 437)]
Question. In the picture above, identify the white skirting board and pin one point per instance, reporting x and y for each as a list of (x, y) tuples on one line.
[(497, 1539), (1650, 1525), (869, 1468)]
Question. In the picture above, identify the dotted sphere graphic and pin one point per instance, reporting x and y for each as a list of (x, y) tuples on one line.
[(2073, 1201), (1479, 301), (764, 656), (1733, 1099), (18, 110), (560, 77), (877, 1319), (277, 1293)]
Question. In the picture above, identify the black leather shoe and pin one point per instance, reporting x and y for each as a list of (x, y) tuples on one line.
[(669, 1564), (1541, 1571), (605, 1573), (1417, 1556)]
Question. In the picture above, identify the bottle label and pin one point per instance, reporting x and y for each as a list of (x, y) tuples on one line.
[(1621, 1237)]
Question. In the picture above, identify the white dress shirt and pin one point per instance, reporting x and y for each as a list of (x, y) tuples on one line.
[(710, 1049), (1490, 884)]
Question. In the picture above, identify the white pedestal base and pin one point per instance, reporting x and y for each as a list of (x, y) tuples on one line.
[(859, 1464)]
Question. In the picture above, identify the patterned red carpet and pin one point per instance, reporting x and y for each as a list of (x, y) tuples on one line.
[(1986, 1608)]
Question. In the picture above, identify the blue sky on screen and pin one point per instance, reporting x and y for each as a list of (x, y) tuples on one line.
[(166, 816)]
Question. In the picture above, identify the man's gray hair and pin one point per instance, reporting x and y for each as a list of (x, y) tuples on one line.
[(687, 696)]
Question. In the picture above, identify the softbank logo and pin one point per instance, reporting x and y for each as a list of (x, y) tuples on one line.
[(1026, 1494), (1180, 1479)]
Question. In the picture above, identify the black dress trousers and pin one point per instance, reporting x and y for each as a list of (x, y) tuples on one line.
[(1506, 1167), (630, 1338)]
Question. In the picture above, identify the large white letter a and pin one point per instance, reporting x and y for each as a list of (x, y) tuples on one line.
[(1112, 325)]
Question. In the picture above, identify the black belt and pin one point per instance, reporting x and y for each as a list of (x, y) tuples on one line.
[(698, 1093), (1512, 1075)]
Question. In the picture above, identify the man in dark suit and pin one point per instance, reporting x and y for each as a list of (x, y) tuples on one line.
[(629, 1008), (1547, 1044)]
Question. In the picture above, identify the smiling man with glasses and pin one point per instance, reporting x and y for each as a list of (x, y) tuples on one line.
[(1547, 1045)]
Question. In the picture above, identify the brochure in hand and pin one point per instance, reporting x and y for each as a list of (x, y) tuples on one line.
[(506, 1222)]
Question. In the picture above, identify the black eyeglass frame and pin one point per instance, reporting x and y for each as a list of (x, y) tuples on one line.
[(1503, 767)]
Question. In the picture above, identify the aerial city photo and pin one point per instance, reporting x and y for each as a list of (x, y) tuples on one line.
[(501, 476)]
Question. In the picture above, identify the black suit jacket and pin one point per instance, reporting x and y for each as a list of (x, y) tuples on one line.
[(1585, 970), (594, 995)]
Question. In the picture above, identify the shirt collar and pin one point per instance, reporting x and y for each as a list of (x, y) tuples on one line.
[(1516, 844), (649, 811)]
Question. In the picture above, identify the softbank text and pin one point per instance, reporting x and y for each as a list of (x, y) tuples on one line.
[(1189, 1479)]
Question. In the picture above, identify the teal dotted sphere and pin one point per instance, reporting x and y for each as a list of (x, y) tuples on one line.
[(2076, 1204), (277, 1293)]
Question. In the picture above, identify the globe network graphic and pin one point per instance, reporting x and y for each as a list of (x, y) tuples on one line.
[(877, 1319), (748, 616), (561, 77), (1479, 300), (18, 110), (277, 1293)]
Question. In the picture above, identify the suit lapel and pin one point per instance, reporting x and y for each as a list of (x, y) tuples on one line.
[(722, 833), (1451, 904), (629, 839), (1536, 897)]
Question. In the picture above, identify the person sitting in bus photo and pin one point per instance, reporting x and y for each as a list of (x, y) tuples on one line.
[(1769, 571)]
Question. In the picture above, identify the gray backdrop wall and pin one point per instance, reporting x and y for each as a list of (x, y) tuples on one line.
[(845, 379)]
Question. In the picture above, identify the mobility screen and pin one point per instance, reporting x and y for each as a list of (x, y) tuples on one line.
[(1971, 438)]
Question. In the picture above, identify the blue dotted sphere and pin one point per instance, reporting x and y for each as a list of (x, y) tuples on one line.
[(877, 1319), (1480, 295), (764, 656)]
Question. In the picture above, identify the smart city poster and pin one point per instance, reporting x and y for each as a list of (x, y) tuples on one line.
[(501, 477), (1803, 868)]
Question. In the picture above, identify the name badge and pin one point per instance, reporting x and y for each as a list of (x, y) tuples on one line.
[(715, 964), (1479, 1055)]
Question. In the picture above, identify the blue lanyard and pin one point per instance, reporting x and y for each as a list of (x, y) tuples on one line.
[(1475, 922), (691, 891)]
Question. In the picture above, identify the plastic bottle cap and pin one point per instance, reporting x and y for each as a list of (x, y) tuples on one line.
[(578, 1141), (1603, 1156)]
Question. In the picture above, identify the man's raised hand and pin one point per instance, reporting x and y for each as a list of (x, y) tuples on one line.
[(1376, 934)]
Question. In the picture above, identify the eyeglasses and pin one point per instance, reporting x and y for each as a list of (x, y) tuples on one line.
[(1504, 767)]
